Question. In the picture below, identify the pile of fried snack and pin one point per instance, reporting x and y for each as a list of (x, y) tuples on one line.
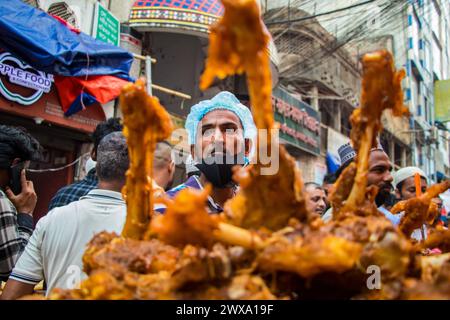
[(260, 248)]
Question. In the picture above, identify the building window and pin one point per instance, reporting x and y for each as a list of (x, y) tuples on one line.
[(62, 10), (427, 55), (415, 36), (435, 19), (415, 93), (428, 111), (398, 155), (437, 54), (294, 43), (420, 155), (34, 3)]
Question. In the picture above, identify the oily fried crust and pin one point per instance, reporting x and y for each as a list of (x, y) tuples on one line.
[(145, 122), (186, 220), (420, 210), (255, 203), (239, 43)]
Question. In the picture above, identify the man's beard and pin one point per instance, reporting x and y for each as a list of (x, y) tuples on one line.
[(382, 197), (218, 168)]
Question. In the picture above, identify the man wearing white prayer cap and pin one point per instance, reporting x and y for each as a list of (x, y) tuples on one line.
[(404, 184), (405, 189)]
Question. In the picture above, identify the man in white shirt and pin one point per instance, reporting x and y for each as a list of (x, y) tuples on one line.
[(54, 252)]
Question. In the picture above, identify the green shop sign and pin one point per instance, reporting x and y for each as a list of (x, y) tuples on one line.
[(299, 123), (106, 26)]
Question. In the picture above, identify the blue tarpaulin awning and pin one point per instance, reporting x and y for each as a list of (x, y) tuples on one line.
[(87, 69)]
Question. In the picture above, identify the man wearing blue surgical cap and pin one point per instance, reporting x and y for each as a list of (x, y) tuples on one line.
[(220, 131)]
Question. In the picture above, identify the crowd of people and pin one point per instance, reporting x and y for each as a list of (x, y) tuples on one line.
[(221, 135)]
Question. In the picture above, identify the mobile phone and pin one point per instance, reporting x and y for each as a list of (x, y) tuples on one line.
[(14, 173)]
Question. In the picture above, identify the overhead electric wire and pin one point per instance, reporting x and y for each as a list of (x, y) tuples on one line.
[(357, 29), (320, 14)]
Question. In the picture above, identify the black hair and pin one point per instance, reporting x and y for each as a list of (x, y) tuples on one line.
[(16, 142), (112, 157), (390, 201), (329, 178), (104, 128)]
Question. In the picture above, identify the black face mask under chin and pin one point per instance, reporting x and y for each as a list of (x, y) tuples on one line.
[(218, 169)]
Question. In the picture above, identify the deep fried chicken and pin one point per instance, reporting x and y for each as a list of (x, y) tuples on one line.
[(440, 239), (381, 89), (239, 43), (434, 283), (186, 221), (145, 123), (419, 210)]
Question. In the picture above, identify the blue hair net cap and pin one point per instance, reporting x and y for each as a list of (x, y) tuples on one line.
[(222, 101)]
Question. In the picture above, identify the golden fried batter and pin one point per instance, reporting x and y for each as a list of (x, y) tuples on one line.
[(239, 43), (145, 123), (320, 253), (259, 203), (381, 89), (419, 210), (438, 239), (358, 235), (186, 220)]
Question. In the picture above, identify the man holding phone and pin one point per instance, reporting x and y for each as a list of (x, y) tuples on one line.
[(17, 196)]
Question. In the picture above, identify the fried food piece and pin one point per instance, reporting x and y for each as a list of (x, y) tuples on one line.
[(146, 122), (129, 269), (342, 187), (240, 287), (414, 289), (239, 43), (438, 239), (431, 266), (200, 265), (186, 220), (32, 297), (381, 89), (339, 246), (419, 210), (249, 287), (311, 256), (102, 285), (434, 283), (119, 255), (333, 261), (259, 203)]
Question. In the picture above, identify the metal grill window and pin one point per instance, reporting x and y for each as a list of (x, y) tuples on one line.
[(34, 3), (62, 10), (293, 43)]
